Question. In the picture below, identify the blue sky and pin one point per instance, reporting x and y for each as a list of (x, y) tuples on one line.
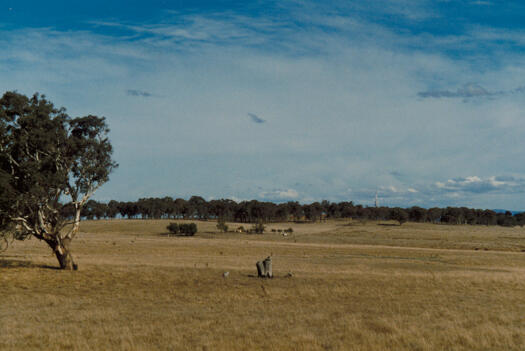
[(422, 101)]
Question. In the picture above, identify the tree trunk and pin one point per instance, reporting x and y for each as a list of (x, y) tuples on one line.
[(63, 253)]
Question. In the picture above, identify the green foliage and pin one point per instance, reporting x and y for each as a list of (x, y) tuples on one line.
[(173, 228), (221, 225), (258, 228), (186, 229), (48, 158), (399, 214)]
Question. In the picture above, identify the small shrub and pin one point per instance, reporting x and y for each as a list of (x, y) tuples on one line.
[(258, 228), (289, 230), (273, 230), (187, 229), (222, 226), (173, 228)]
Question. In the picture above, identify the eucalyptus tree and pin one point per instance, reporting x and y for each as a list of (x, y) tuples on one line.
[(49, 162)]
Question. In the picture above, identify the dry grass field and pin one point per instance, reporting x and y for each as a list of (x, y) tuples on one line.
[(353, 286)]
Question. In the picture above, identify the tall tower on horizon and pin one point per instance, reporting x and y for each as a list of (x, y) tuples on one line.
[(376, 202)]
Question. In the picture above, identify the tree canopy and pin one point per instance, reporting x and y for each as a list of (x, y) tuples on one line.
[(255, 211), (50, 165)]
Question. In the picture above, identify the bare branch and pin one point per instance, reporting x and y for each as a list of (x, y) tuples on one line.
[(23, 222)]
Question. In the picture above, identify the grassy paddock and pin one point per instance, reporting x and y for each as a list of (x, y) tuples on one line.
[(354, 286)]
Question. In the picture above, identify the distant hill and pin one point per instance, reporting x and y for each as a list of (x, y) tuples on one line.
[(499, 210)]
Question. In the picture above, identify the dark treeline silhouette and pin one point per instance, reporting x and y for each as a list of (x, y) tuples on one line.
[(256, 211)]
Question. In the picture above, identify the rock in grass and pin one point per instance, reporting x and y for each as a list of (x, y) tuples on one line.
[(264, 268)]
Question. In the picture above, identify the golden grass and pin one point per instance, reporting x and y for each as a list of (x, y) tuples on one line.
[(353, 287)]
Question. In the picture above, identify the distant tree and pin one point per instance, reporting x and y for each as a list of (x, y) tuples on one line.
[(313, 211), (68, 211), (282, 212), (48, 158), (382, 212), (188, 210), (260, 211), (180, 207), (488, 217), (506, 219), (363, 213), (221, 225), (520, 218), (168, 207), (241, 212), (399, 214), (200, 207), (324, 205), (295, 209), (112, 209), (129, 209), (333, 211), (471, 216), (417, 214), (258, 227), (434, 214), (93, 209), (122, 209), (347, 209), (96, 209), (453, 215)]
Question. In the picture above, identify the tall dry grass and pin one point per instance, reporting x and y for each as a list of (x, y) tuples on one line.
[(353, 287)]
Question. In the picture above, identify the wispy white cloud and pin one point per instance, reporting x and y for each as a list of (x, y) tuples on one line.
[(482, 3), (342, 91), (188, 30), (279, 195), (478, 185), (405, 9), (460, 191)]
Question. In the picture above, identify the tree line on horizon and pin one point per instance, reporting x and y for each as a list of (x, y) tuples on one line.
[(256, 211)]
